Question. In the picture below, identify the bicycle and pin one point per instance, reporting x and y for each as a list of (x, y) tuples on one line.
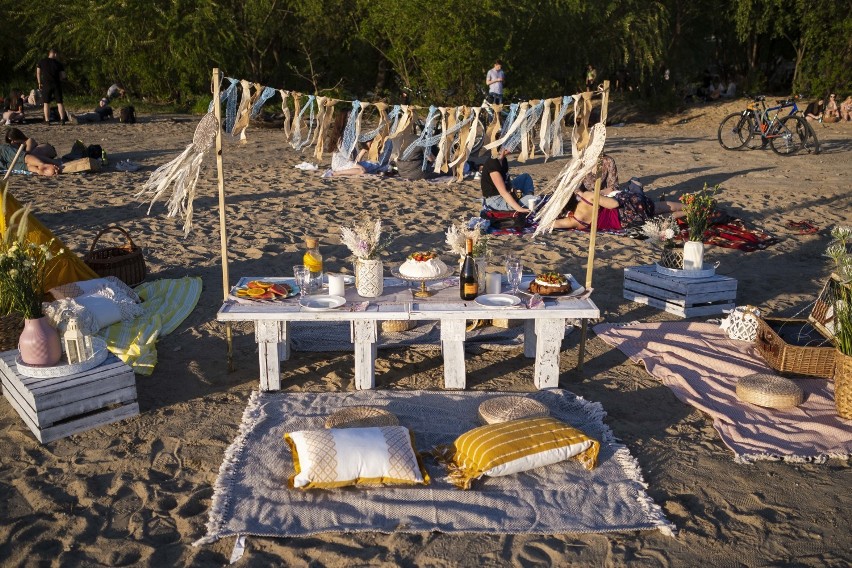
[(785, 135)]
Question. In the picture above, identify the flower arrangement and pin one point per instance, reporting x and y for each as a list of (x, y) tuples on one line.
[(24, 267), (838, 251), (661, 231), (364, 240), (699, 206), (458, 233)]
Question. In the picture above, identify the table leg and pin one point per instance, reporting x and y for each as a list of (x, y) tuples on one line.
[(272, 339), (549, 333), (364, 336), (529, 338), (452, 344)]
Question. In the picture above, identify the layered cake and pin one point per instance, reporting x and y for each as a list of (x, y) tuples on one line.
[(550, 284), (423, 265)]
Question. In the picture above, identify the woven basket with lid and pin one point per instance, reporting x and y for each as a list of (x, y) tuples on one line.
[(770, 391), (361, 417)]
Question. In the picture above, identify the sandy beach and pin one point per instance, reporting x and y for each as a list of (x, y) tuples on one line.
[(138, 492)]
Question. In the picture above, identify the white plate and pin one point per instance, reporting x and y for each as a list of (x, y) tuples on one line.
[(322, 303), (497, 300)]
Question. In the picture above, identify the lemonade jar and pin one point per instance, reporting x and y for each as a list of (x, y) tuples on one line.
[(313, 260)]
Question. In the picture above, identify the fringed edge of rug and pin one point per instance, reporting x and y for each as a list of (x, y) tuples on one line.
[(630, 465), (221, 502), (818, 459)]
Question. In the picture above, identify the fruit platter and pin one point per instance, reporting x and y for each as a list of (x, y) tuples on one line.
[(264, 291)]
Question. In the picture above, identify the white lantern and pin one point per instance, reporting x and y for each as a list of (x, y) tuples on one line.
[(78, 347)]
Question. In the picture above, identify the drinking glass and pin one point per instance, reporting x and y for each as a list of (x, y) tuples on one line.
[(302, 274), (514, 268)]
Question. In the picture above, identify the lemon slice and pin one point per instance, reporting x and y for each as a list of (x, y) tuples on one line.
[(255, 292), (313, 264), (242, 292)]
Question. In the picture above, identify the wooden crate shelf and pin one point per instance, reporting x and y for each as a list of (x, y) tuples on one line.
[(58, 407), (685, 297)]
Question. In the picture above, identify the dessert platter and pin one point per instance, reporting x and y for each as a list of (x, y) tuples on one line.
[(269, 290), (552, 284), (422, 267)]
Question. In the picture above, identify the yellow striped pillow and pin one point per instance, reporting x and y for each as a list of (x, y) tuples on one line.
[(514, 446)]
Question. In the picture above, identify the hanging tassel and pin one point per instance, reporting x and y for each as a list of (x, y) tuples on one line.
[(544, 130), (244, 111), (182, 172), (522, 113), (582, 111), (556, 146), (296, 129), (492, 133), (285, 108), (440, 166), (402, 124), (324, 118), (309, 106)]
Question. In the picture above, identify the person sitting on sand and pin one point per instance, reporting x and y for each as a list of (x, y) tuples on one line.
[(31, 162), (499, 191), (42, 151), (13, 108), (624, 209), (411, 167), (103, 112), (343, 164), (832, 111), (846, 109), (814, 110)]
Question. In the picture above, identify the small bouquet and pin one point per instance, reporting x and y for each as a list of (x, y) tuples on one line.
[(364, 240), (699, 206), (661, 231), (458, 234)]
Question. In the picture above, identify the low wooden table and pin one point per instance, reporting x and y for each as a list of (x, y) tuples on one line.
[(543, 329), (58, 407)]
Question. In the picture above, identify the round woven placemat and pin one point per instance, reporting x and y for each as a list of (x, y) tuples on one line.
[(361, 417), (505, 408), (771, 391), (395, 326)]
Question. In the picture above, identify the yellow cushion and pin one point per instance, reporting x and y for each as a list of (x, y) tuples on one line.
[(514, 446), (336, 457)]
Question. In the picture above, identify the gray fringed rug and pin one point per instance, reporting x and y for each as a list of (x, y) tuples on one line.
[(251, 495)]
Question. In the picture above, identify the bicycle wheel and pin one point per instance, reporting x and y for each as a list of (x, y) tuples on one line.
[(734, 131), (811, 140), (480, 134), (788, 136)]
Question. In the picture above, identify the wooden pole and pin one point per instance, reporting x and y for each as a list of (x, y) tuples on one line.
[(590, 263), (223, 233)]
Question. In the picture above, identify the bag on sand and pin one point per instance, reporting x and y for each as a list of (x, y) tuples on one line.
[(505, 219), (127, 115)]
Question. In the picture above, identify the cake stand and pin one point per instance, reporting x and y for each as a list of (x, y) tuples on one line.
[(423, 292)]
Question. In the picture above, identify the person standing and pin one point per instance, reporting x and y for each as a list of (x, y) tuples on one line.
[(591, 75), (494, 79), (50, 73)]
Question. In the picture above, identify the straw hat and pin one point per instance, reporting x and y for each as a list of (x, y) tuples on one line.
[(770, 391), (505, 408), (361, 417)]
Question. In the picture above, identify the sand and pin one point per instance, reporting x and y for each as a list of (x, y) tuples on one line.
[(138, 492)]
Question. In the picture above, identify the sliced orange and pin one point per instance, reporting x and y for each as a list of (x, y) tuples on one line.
[(279, 289), (264, 284), (255, 292)]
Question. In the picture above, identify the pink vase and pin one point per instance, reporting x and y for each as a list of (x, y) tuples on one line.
[(39, 343)]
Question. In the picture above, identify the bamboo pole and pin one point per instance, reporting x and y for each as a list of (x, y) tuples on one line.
[(590, 262), (223, 233)]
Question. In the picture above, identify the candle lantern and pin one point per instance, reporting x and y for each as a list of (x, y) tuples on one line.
[(78, 346)]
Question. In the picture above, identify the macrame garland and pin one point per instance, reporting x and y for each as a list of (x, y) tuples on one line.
[(324, 119), (296, 129), (378, 134), (467, 138), (182, 172), (285, 108), (493, 130), (229, 95), (556, 146), (510, 120), (400, 126), (569, 179), (580, 133), (244, 111), (440, 166), (524, 135), (309, 106), (510, 131), (262, 95), (352, 131), (544, 129)]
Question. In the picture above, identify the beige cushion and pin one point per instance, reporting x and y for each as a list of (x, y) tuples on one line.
[(337, 457)]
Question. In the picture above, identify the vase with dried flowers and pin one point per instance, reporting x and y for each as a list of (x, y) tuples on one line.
[(457, 235), (841, 299), (661, 232), (698, 207), (364, 240), (24, 267)]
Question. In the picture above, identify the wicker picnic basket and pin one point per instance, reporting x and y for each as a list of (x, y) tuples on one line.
[(124, 262), (11, 327), (813, 360), (843, 386)]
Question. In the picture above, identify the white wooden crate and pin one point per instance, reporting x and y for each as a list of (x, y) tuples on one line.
[(686, 297), (58, 407)]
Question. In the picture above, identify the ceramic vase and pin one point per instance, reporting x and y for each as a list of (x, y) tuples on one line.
[(693, 255), (39, 343), (369, 278), (672, 258)]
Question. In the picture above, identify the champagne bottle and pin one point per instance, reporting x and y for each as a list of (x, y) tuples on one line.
[(468, 283)]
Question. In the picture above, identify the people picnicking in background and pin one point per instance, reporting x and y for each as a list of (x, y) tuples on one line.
[(846, 109), (626, 208), (814, 110), (50, 73), (832, 110), (33, 157), (502, 193), (13, 108), (345, 163), (101, 113), (410, 166)]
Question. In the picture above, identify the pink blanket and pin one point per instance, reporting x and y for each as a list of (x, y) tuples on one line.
[(701, 366)]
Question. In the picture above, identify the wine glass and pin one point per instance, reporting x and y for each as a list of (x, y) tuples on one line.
[(514, 268), (302, 275)]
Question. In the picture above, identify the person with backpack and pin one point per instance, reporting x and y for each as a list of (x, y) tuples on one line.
[(50, 73)]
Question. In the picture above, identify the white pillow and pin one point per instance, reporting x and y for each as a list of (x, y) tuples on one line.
[(87, 287), (94, 311), (336, 457)]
